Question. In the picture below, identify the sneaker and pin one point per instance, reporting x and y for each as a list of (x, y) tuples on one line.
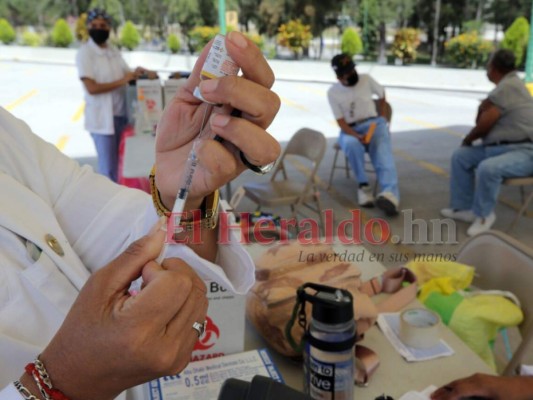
[(365, 197), (388, 203), (459, 215), (481, 225)]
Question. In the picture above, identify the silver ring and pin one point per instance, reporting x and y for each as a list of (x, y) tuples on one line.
[(258, 169), (199, 328)]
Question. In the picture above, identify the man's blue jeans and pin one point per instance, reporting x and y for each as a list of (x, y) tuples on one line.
[(380, 151), (478, 171), (107, 149)]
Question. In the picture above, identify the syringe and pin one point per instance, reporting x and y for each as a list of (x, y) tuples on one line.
[(217, 64), (183, 190)]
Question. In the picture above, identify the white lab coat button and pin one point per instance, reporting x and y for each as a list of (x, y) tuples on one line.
[(53, 243)]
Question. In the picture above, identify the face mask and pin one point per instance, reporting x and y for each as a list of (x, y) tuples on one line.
[(352, 79), (99, 35)]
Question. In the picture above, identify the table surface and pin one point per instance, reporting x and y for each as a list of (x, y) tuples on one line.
[(395, 376)]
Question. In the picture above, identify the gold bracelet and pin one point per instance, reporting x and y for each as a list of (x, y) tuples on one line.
[(208, 209)]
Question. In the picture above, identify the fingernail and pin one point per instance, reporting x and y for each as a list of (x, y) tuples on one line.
[(220, 120), (208, 86), (161, 224), (238, 39)]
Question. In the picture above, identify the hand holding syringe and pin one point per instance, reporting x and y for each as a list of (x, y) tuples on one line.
[(217, 64)]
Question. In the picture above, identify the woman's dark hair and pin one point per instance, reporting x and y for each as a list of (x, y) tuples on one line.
[(503, 60)]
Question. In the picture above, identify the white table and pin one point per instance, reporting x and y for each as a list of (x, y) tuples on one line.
[(395, 376)]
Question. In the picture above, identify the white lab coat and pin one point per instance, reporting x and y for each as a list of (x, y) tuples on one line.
[(44, 192)]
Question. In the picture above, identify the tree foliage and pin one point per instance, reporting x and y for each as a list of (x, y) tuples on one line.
[(516, 39), (129, 36), (295, 36), (61, 34), (7, 33), (468, 50), (406, 41), (173, 43), (351, 42)]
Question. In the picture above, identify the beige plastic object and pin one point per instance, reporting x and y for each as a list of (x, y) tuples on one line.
[(503, 263)]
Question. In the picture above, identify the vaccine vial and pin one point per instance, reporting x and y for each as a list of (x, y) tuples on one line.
[(217, 64)]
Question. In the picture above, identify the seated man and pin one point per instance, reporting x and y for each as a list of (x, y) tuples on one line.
[(505, 124), (362, 129)]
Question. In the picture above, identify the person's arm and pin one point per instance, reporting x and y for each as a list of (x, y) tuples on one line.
[(487, 117), (487, 386), (111, 340), (382, 106), (348, 129), (218, 161), (94, 87)]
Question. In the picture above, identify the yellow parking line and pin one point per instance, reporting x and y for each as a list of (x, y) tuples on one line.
[(433, 126), (21, 100), (291, 103), (62, 142), (424, 164), (303, 88), (79, 112)]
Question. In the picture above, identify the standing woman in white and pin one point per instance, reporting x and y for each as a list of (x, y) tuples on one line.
[(104, 74)]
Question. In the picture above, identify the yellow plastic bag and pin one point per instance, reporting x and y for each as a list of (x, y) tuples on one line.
[(474, 316)]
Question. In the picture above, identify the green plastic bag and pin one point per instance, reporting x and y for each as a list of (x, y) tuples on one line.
[(475, 316)]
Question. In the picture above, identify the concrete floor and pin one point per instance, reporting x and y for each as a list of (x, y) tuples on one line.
[(424, 191)]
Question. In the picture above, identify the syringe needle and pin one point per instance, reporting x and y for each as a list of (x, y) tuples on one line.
[(183, 190)]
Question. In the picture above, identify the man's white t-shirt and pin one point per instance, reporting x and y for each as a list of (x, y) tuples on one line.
[(355, 103)]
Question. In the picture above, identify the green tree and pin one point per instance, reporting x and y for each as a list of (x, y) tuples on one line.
[(468, 50), (31, 39), (295, 36), (61, 34), (351, 42), (173, 43), (406, 41), (516, 39), (82, 34), (201, 35), (187, 14), (129, 36), (7, 33)]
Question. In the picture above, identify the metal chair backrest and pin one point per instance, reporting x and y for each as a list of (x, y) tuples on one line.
[(306, 143), (504, 263)]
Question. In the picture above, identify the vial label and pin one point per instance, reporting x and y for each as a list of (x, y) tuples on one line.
[(218, 63), (330, 381)]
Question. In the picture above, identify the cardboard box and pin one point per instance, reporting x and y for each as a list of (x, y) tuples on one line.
[(170, 87), (224, 332), (149, 106), (204, 379)]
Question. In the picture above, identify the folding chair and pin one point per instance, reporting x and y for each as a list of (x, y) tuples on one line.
[(305, 150), (503, 263), (336, 147), (525, 200)]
